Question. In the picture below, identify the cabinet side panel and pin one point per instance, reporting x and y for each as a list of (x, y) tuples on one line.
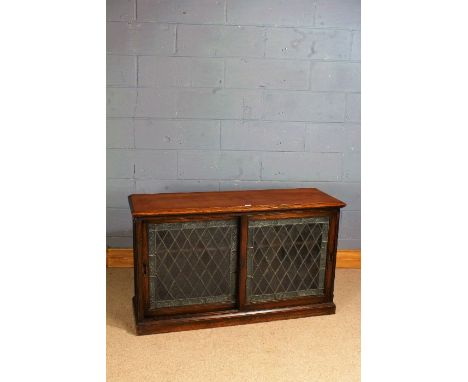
[(331, 255), (138, 268)]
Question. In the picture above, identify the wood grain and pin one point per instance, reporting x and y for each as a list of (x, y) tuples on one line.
[(123, 258), (243, 206), (348, 258), (169, 204), (119, 258), (228, 318)]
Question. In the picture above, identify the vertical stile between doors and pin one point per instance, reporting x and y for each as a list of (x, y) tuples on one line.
[(243, 230)]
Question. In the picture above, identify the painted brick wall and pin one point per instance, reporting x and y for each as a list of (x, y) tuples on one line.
[(232, 94)]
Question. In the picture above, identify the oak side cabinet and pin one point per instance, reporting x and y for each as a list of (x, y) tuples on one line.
[(208, 259)]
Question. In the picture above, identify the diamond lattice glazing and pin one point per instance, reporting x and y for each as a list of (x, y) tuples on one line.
[(192, 263), (286, 258)]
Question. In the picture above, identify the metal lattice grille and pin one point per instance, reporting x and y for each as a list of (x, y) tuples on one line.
[(286, 258), (192, 263)]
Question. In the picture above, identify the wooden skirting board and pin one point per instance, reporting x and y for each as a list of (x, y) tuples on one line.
[(123, 258)]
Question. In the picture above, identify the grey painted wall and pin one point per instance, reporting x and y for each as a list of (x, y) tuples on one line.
[(236, 94)]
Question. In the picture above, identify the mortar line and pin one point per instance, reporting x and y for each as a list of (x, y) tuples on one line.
[(293, 180), (269, 58), (175, 39), (257, 151), (253, 151), (134, 133), (137, 71), (272, 26), (329, 182), (231, 119), (212, 150), (259, 89), (136, 102), (175, 119)]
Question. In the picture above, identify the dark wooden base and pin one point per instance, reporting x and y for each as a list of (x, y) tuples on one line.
[(231, 317)]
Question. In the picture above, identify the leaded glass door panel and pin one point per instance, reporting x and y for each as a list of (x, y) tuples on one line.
[(286, 258), (192, 263)]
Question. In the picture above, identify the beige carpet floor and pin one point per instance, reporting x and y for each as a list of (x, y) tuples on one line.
[(321, 349)]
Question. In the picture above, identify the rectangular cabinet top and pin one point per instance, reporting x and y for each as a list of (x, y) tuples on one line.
[(230, 202)]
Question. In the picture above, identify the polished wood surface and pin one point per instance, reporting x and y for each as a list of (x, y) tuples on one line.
[(242, 207), (228, 318), (230, 201), (123, 258), (348, 258), (119, 258)]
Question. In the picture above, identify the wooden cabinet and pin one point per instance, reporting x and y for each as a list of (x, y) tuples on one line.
[(211, 259)]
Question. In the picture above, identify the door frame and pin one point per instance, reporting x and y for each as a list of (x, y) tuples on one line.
[(330, 261), (145, 277), (141, 264)]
